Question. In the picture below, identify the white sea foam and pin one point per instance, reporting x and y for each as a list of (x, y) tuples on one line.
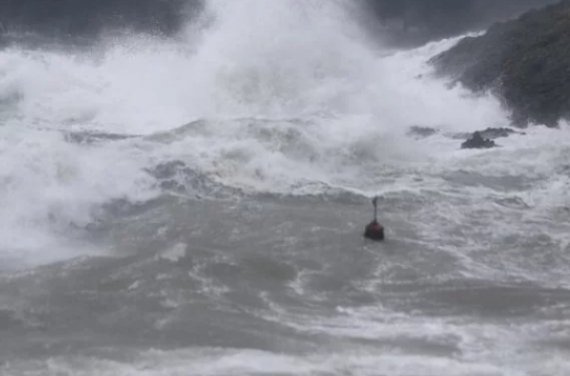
[(213, 362), (289, 96), (295, 97)]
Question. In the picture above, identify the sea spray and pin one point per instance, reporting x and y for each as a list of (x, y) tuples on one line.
[(287, 97)]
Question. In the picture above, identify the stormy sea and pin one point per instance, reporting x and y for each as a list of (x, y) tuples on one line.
[(193, 203)]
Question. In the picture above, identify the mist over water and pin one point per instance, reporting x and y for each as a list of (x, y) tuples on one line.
[(204, 195)]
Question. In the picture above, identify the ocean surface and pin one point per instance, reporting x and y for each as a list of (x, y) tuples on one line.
[(194, 205)]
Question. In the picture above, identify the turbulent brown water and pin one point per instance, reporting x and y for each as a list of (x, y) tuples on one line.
[(195, 206)]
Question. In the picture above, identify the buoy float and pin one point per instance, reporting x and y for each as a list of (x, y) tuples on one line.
[(374, 230)]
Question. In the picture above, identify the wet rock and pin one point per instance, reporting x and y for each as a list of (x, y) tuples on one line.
[(478, 142), (421, 132)]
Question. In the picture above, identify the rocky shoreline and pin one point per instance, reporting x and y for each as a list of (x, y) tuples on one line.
[(525, 62)]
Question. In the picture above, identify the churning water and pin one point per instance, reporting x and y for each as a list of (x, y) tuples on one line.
[(194, 206)]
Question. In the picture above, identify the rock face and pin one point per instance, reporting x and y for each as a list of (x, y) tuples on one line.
[(419, 132), (526, 62), (478, 142)]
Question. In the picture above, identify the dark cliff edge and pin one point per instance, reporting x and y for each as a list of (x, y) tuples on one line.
[(525, 62)]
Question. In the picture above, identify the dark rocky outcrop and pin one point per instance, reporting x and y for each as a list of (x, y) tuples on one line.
[(478, 142), (526, 62), (418, 132)]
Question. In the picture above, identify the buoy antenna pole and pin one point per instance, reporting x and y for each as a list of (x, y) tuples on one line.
[(375, 203)]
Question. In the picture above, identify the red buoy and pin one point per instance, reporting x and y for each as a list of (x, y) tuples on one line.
[(374, 230)]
